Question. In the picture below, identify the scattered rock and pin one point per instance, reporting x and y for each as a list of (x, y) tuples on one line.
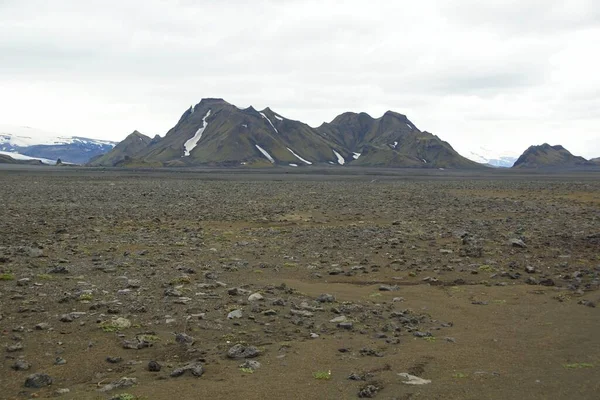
[(119, 384), (38, 381), (255, 297), (196, 369), (251, 364), (235, 314), (21, 365), (154, 366), (413, 380), (517, 243), (368, 391), (241, 351), (326, 298)]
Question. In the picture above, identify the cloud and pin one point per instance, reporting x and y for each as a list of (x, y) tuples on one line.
[(502, 74)]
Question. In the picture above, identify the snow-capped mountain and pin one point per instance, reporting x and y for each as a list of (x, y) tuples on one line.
[(40, 144), (482, 155)]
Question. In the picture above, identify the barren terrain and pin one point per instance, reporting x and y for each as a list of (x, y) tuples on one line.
[(335, 283)]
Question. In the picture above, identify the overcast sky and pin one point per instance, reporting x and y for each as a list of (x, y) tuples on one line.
[(501, 74)]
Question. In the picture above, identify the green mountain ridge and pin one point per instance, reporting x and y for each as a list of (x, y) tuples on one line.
[(134, 143), (214, 132)]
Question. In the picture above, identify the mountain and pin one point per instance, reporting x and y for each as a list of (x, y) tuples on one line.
[(134, 143), (492, 158), (549, 156), (40, 144), (392, 141), (214, 132), (595, 160)]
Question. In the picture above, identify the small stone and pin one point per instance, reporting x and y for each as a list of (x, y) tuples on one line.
[(278, 302), (42, 326), (326, 298), (60, 361), (518, 243), (114, 360), (345, 325), (15, 347), (38, 381), (368, 392), (255, 297), (233, 291), (413, 380), (23, 282), (547, 282), (388, 288), (241, 351), (250, 364), (270, 312), (184, 338), (60, 392), (119, 384), (529, 269), (21, 365), (66, 318), (531, 281), (235, 314), (153, 366), (314, 335), (61, 269)]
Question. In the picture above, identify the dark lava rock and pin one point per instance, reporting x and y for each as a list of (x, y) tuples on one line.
[(547, 282), (60, 269), (326, 298), (531, 281), (37, 381), (153, 366), (368, 392), (196, 369), (345, 325), (184, 338), (241, 351), (114, 360)]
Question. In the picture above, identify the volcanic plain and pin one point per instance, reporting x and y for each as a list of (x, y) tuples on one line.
[(335, 284)]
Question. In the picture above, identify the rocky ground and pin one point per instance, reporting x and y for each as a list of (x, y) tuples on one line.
[(158, 285)]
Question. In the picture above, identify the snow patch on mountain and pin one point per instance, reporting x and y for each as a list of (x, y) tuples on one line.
[(264, 152), (193, 142), (298, 157), (340, 159), (265, 117)]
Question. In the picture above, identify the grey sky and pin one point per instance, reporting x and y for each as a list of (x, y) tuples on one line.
[(499, 74)]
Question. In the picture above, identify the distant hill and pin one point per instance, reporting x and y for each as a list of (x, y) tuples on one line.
[(550, 156), (7, 159), (134, 143), (214, 132)]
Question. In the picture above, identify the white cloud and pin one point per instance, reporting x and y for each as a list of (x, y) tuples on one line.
[(504, 74)]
